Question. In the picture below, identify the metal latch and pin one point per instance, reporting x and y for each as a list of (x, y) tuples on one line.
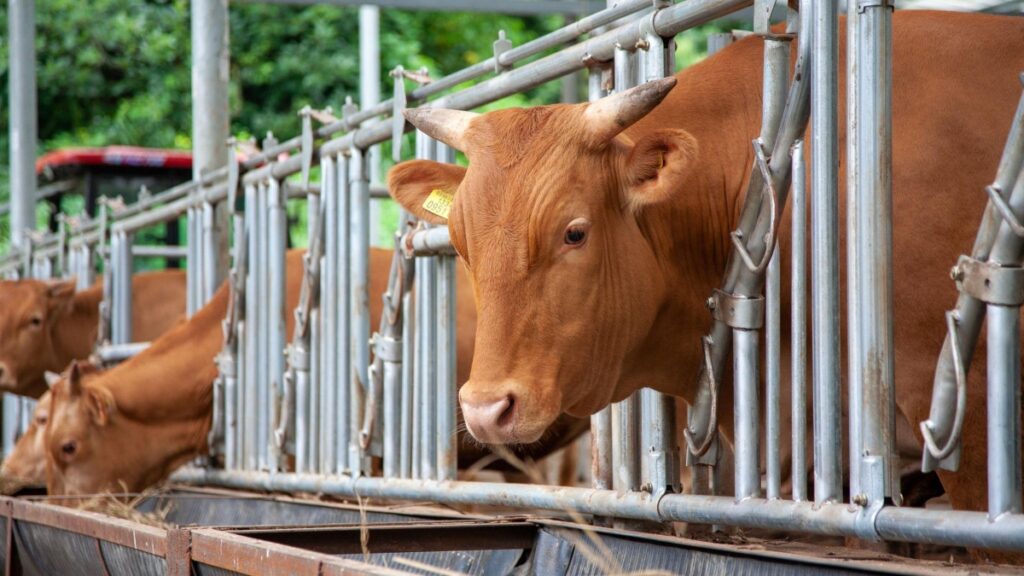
[(990, 282)]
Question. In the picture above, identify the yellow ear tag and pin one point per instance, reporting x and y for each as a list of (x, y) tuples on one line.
[(439, 202)]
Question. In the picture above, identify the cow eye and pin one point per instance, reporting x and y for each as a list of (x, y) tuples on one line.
[(41, 421), (576, 232), (69, 448), (36, 321)]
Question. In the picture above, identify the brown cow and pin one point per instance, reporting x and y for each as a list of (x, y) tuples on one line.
[(153, 412), (46, 325), (594, 232), (27, 462)]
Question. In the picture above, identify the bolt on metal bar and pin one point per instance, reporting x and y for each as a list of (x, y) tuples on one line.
[(994, 242), (825, 254), (873, 261)]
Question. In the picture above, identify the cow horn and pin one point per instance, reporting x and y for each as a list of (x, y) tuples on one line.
[(448, 126), (51, 378), (606, 117)]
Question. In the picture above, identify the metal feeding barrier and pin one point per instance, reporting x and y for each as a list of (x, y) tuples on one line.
[(312, 410)]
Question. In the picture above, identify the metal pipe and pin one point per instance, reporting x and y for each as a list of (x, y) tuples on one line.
[(853, 243), (114, 353), (333, 351), (446, 346), (798, 338), (359, 274), (1004, 390), (23, 116), (892, 523), (874, 259), (250, 378), (408, 377), (277, 233), (193, 265), (369, 93), (825, 255), (429, 242), (340, 390), (746, 421), (316, 380)]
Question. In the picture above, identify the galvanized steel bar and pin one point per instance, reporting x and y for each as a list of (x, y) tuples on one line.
[(406, 408), (261, 270), (446, 347), (21, 61), (746, 420), (359, 274), (825, 254), (334, 346), (123, 277), (253, 369), (798, 335), (872, 196), (1004, 391), (277, 234)]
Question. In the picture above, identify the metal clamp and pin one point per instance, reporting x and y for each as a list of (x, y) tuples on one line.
[(737, 311), (863, 5), (953, 440), (768, 189), (500, 46), (698, 449), (995, 195), (989, 282)]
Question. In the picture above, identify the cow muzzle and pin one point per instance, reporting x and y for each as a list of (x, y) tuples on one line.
[(502, 414)]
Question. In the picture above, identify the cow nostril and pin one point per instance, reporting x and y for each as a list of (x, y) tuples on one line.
[(508, 415)]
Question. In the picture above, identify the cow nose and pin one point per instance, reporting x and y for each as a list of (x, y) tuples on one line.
[(490, 421)]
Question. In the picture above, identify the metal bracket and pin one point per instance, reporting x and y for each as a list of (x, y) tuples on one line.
[(767, 189), (990, 282), (737, 311), (863, 5), (500, 46), (387, 349), (398, 105), (995, 195)]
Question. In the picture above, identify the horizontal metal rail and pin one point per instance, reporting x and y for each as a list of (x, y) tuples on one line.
[(953, 528)]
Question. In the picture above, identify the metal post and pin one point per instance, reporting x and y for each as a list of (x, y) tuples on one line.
[(249, 387), (825, 254), (277, 233), (407, 439), (1004, 467), (359, 274), (600, 423), (121, 258), (853, 242), (369, 96), (333, 352), (798, 339), (447, 395), (340, 400), (873, 239), (210, 129), (626, 414), (261, 270), (21, 29)]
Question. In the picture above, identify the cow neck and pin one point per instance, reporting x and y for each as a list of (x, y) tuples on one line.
[(167, 445), (172, 380), (718, 103), (75, 334)]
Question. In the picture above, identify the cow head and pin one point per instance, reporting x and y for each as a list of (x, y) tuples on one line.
[(27, 462), (30, 311), (549, 218), (81, 448)]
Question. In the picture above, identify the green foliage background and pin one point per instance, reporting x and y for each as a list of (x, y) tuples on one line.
[(118, 71)]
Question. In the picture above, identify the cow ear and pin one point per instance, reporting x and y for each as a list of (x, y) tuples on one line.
[(51, 378), (74, 380), (425, 188), (101, 404), (59, 294), (657, 166)]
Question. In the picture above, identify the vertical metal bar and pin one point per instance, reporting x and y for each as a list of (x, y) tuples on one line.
[(1004, 464), (315, 385), (776, 72), (626, 414), (873, 197), (369, 95), (262, 322), (746, 421), (277, 233), (798, 339), (359, 274), (600, 423), (250, 357), (334, 181), (123, 291), (853, 244), (193, 264), (408, 376), (824, 255), (340, 346), (446, 345), (21, 61), (210, 129), (427, 280)]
